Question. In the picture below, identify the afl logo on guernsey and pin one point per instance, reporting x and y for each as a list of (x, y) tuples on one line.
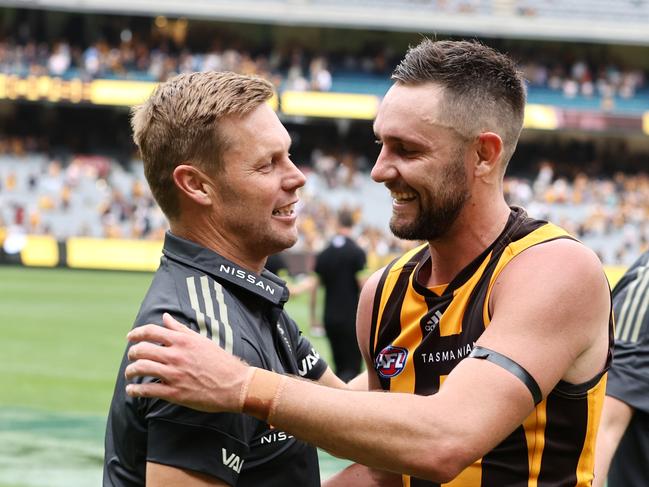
[(391, 361)]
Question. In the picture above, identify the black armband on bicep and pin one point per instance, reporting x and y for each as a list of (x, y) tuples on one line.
[(512, 367)]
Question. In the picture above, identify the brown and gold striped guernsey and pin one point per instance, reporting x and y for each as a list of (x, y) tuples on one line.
[(419, 335)]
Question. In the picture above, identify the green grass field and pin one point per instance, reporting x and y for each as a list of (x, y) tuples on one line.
[(63, 335)]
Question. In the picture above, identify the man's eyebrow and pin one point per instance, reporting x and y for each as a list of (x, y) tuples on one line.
[(401, 139), (445, 126), (277, 149)]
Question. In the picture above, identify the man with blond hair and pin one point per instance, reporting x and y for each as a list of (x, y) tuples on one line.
[(216, 158), (493, 338)]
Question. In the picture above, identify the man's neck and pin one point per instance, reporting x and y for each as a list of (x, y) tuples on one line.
[(210, 238), (466, 240)]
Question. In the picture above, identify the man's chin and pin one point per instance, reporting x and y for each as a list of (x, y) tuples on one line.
[(284, 243), (404, 231)]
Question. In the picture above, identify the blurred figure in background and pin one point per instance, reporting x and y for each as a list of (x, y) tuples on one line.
[(337, 267), (623, 438), (297, 285), (276, 263)]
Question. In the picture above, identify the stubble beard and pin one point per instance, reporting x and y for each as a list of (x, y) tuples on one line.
[(258, 238), (272, 242)]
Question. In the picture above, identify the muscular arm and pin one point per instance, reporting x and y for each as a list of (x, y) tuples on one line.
[(553, 322), (357, 474), (361, 476), (329, 379), (158, 475), (549, 313), (616, 417)]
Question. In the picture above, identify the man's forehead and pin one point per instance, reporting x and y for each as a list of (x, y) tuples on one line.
[(413, 100), (426, 94), (258, 122), (258, 140), (408, 107)]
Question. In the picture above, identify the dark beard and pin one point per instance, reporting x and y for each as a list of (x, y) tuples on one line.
[(432, 222), (435, 220)]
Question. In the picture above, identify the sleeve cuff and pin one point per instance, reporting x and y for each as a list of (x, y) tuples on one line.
[(199, 448)]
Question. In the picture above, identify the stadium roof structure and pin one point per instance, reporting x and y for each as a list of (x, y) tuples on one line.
[(621, 21)]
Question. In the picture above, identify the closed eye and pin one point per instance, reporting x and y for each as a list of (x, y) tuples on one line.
[(266, 166), (406, 152)]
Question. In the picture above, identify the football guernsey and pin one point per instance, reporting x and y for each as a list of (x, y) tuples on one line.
[(419, 335), (243, 313), (628, 378)]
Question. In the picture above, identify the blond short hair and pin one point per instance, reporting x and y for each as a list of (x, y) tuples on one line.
[(179, 124)]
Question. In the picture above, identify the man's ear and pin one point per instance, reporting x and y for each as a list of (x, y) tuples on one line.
[(489, 150), (193, 183)]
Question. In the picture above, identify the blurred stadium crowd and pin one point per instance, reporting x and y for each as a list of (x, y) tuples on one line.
[(71, 169), (93, 195), (156, 55)]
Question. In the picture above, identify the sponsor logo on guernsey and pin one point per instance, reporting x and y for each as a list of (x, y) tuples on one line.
[(308, 362), (447, 355), (391, 361), (433, 321), (232, 460), (248, 279)]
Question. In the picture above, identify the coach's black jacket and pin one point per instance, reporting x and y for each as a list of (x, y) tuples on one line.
[(243, 313)]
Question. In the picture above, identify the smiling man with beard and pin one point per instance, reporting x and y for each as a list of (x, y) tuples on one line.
[(493, 338)]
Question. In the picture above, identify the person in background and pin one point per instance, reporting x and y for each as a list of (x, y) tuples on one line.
[(623, 438), (338, 267), (276, 263)]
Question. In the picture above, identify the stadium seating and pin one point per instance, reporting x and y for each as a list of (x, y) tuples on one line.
[(589, 10), (603, 86), (119, 205)]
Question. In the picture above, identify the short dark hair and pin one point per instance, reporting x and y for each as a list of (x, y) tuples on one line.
[(345, 219), (484, 90)]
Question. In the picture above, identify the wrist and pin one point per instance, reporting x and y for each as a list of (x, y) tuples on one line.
[(260, 393)]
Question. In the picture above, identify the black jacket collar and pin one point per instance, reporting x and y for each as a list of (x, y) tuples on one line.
[(267, 285)]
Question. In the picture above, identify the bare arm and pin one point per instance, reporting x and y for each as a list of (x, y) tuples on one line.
[(549, 313), (616, 416), (357, 474), (362, 476), (158, 475), (359, 383), (329, 379), (552, 321)]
